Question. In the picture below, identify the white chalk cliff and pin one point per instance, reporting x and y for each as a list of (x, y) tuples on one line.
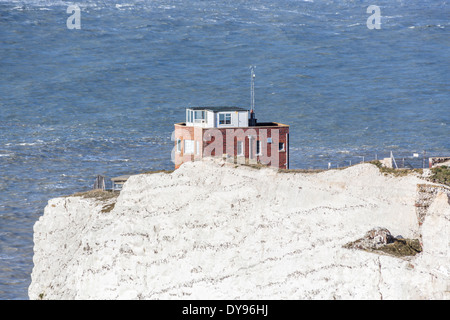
[(211, 230)]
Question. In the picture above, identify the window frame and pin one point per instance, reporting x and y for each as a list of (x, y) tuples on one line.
[(191, 149), (241, 145), (225, 116), (258, 146), (201, 116)]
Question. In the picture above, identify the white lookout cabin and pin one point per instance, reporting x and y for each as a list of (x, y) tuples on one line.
[(217, 117)]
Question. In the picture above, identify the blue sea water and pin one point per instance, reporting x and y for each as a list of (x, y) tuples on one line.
[(103, 99)]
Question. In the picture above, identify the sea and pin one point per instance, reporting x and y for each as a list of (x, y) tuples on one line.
[(94, 87)]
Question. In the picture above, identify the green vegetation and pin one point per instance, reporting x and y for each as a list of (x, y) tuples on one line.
[(395, 172), (158, 171), (396, 248), (402, 247), (96, 194), (440, 175), (100, 195)]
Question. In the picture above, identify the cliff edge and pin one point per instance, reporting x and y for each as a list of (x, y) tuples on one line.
[(213, 230)]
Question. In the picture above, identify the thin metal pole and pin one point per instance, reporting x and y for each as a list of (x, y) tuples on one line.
[(252, 87)]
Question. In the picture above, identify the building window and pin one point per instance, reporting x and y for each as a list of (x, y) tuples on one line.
[(198, 148), (224, 118), (188, 146), (190, 116), (258, 148), (281, 146), (178, 145), (240, 148), (200, 116)]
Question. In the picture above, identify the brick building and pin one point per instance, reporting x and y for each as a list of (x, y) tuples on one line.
[(232, 132)]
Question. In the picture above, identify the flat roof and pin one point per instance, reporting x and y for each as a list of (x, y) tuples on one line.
[(219, 109), (121, 178), (258, 125)]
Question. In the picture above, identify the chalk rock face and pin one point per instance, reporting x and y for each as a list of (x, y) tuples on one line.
[(212, 230), (436, 242)]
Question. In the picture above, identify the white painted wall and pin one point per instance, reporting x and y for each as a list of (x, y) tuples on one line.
[(238, 119), (209, 123), (210, 119), (243, 119)]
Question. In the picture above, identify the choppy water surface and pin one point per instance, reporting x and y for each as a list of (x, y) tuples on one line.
[(103, 99)]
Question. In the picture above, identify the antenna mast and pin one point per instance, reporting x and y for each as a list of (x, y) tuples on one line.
[(252, 120), (252, 86)]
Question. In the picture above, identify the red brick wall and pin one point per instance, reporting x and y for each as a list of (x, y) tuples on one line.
[(279, 159), (182, 132)]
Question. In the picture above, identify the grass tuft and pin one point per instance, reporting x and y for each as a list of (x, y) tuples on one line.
[(96, 194), (395, 172), (440, 175)]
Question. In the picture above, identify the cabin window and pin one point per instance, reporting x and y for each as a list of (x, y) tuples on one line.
[(258, 148), (240, 148), (200, 116), (281, 146), (178, 145), (224, 118), (190, 116), (188, 146)]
